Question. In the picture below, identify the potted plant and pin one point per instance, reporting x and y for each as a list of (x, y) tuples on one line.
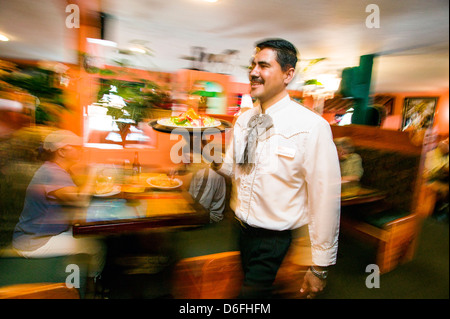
[(128, 103)]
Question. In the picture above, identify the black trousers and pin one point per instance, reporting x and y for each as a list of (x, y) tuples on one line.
[(262, 252)]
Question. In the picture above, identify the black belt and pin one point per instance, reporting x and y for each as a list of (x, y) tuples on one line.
[(261, 231)]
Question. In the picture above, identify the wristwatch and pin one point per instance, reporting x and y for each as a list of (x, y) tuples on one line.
[(321, 274)]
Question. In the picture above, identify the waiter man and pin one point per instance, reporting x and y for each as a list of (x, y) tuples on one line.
[(286, 171)]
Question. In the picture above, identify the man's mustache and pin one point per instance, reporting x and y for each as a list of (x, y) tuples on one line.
[(255, 79)]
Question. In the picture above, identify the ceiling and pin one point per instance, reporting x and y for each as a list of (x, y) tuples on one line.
[(411, 43)]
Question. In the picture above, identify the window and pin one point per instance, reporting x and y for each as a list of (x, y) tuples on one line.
[(115, 121)]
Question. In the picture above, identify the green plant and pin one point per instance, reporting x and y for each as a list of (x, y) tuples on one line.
[(39, 83), (138, 99)]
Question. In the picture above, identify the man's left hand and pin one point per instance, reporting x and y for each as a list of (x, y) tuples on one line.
[(312, 285)]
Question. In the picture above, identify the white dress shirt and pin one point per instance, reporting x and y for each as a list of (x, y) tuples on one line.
[(295, 180)]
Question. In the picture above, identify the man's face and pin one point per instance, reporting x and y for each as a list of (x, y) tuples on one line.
[(72, 153), (267, 79)]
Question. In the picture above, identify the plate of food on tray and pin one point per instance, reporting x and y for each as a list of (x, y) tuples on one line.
[(189, 119), (191, 122)]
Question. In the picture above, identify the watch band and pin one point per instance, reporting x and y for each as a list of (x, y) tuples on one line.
[(321, 274)]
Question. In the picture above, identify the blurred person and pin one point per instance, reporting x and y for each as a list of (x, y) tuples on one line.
[(350, 162), (436, 164), (207, 187), (302, 188), (44, 227), (436, 175)]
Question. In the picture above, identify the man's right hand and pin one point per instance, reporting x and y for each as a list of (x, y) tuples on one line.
[(215, 166)]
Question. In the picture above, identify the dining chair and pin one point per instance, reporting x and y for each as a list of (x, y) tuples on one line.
[(213, 276), (220, 275)]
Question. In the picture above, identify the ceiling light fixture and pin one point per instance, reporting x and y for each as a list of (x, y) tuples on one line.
[(139, 50), (3, 38), (105, 43), (211, 1)]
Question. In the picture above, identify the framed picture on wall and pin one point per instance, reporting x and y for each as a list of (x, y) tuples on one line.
[(418, 112)]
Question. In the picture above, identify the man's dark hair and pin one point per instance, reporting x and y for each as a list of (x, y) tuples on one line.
[(286, 52)]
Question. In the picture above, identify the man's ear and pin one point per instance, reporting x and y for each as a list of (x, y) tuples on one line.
[(289, 75), (60, 152)]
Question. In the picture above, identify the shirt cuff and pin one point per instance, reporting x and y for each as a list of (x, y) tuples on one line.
[(226, 169), (324, 257)]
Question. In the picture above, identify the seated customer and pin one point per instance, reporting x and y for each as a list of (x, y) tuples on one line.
[(436, 176), (349, 161), (436, 167), (207, 187), (44, 227)]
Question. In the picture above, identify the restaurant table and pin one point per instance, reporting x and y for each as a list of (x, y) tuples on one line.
[(129, 212), (361, 195)]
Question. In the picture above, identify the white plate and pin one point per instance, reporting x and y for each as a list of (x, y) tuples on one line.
[(166, 122), (116, 190), (149, 181)]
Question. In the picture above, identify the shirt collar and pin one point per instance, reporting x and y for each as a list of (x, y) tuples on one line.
[(275, 107)]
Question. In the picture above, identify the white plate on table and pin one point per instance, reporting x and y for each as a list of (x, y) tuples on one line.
[(151, 180), (116, 190)]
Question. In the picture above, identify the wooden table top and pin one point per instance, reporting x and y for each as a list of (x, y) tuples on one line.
[(361, 195), (149, 209)]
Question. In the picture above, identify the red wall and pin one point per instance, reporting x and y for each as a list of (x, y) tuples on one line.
[(441, 120)]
